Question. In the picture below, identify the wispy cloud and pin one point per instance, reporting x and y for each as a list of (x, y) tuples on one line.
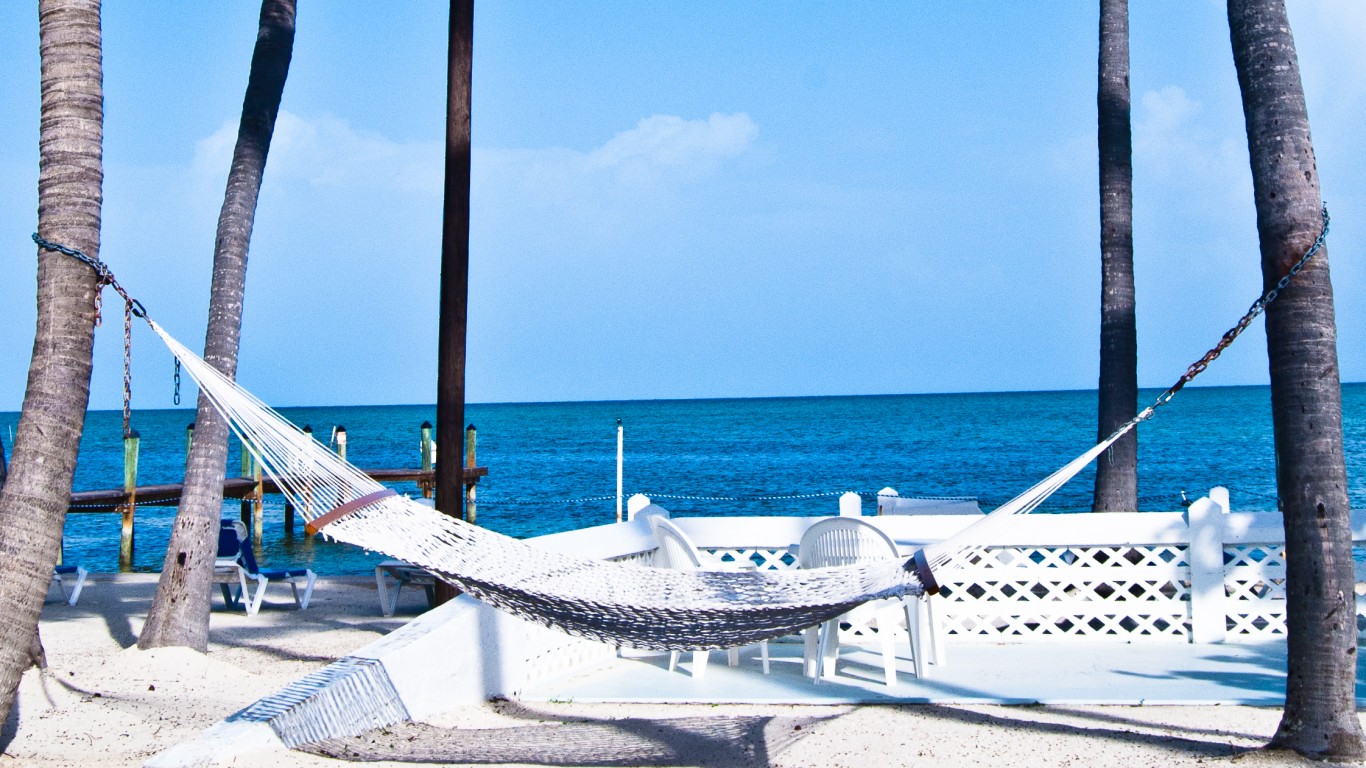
[(327, 152)]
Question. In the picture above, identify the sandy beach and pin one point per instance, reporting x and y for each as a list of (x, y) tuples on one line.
[(102, 701)]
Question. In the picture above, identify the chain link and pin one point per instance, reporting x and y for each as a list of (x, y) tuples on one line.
[(127, 369), (131, 308), (1258, 306)]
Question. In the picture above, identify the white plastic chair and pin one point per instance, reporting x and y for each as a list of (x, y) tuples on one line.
[(675, 550), (850, 541)]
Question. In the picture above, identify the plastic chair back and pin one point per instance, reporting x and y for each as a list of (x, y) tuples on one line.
[(675, 549), (843, 541)]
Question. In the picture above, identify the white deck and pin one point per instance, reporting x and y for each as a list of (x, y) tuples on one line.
[(1078, 672)]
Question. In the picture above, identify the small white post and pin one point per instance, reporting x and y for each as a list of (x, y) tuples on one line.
[(619, 456), (636, 503), (885, 497), (1205, 519), (851, 505)]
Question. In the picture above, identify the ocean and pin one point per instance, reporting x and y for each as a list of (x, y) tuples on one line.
[(552, 466)]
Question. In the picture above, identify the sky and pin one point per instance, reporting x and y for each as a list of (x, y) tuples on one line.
[(686, 199)]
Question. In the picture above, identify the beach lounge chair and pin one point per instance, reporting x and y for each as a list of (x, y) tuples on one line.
[(63, 572), (842, 541), (400, 573), (236, 564), (675, 550)]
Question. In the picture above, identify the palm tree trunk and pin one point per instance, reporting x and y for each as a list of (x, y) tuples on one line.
[(180, 609), (1117, 470), (1320, 718), (70, 172)]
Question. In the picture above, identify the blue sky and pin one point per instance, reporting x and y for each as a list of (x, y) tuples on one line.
[(687, 199)]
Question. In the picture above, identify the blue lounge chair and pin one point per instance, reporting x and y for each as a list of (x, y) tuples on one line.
[(236, 564)]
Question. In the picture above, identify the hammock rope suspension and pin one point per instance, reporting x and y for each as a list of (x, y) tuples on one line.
[(618, 603)]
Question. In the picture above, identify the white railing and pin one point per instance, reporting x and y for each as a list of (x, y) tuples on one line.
[(1203, 575)]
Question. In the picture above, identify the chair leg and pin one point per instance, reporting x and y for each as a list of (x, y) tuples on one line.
[(81, 573), (386, 605), (733, 656), (255, 604), (932, 624), (810, 641), (699, 664), (913, 630), (673, 660), (827, 649), (885, 630), (308, 590), (763, 654)]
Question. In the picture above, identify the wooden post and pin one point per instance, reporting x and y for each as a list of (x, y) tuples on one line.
[(258, 496), (455, 265), (130, 487), (470, 482), (339, 435), (189, 438), (308, 498), (619, 457), (246, 499), (425, 445)]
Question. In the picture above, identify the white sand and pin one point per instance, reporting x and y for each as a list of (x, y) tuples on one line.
[(104, 702)]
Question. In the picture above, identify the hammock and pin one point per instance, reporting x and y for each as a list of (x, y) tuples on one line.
[(620, 604), (617, 603)]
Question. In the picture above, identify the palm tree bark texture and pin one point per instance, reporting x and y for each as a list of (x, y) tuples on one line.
[(1117, 470), (1320, 718), (180, 610), (37, 491)]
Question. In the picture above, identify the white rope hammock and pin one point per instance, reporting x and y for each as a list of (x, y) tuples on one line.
[(621, 604)]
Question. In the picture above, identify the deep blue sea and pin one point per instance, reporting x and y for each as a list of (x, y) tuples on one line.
[(552, 466)]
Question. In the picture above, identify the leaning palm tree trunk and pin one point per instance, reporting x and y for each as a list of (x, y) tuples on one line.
[(1320, 718), (1117, 470), (38, 489), (180, 609)]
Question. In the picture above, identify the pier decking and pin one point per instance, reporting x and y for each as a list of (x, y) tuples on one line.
[(168, 494)]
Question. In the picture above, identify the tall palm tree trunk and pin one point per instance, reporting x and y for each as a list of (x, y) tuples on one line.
[(1320, 718), (1117, 470), (70, 172), (180, 609)]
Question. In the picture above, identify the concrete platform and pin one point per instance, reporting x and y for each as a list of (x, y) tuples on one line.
[(1073, 672)]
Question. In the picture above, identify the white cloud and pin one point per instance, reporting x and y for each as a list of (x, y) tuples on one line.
[(661, 153), (327, 152), (662, 147)]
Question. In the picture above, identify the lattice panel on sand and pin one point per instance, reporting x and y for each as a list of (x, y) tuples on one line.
[(1254, 589), (1115, 592), (763, 559)]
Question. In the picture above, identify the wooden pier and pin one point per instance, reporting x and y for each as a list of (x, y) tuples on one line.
[(251, 487)]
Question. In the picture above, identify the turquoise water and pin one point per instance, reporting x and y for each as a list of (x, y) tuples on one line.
[(552, 466)]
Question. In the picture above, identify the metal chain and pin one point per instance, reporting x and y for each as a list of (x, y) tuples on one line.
[(131, 308), (102, 275), (127, 369), (1258, 306), (175, 398)]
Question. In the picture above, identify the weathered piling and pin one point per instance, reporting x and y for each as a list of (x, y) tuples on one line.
[(131, 440), (339, 437), (470, 480), (428, 450), (189, 439), (253, 500)]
